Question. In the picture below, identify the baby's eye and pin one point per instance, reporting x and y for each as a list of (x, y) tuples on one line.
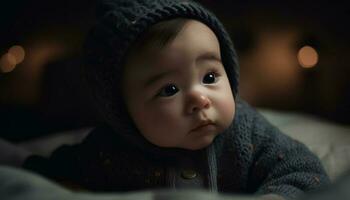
[(210, 78), (168, 91)]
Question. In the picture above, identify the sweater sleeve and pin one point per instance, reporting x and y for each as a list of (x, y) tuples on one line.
[(80, 166), (281, 165), (62, 166), (68, 163)]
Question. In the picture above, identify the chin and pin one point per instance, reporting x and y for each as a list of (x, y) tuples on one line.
[(202, 143)]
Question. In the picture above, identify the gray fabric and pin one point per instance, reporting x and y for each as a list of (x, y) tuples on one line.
[(17, 184), (329, 141), (11, 154), (340, 190)]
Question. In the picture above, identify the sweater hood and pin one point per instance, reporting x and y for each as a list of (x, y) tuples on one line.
[(119, 24)]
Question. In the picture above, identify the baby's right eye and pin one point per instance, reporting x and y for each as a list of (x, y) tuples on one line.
[(168, 91)]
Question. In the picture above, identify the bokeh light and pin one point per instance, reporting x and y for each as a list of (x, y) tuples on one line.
[(307, 57), (18, 52), (7, 63)]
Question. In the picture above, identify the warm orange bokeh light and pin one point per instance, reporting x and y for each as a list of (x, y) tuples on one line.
[(307, 57), (18, 52), (7, 63)]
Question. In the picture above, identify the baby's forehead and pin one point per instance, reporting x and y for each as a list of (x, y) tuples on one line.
[(166, 58), (158, 66), (170, 58), (180, 52), (173, 60)]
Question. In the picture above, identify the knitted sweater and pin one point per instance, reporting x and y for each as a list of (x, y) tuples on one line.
[(250, 157)]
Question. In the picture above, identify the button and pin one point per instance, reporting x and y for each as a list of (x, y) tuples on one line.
[(188, 174)]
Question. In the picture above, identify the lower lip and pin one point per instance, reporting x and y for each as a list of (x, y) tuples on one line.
[(209, 127)]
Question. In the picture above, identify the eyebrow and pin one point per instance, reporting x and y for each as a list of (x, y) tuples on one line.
[(208, 56), (157, 77)]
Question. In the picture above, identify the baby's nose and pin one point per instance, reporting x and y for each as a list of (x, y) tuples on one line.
[(197, 102)]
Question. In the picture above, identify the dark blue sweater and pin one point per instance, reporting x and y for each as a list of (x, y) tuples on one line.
[(250, 157)]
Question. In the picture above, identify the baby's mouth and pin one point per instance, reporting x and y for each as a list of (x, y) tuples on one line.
[(204, 125)]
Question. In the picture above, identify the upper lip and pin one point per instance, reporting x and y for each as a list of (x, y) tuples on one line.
[(202, 123)]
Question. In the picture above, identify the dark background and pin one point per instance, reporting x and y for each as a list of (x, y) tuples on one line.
[(44, 93)]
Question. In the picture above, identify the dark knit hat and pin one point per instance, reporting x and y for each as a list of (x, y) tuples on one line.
[(119, 24)]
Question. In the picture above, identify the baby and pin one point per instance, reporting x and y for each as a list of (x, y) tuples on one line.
[(164, 75)]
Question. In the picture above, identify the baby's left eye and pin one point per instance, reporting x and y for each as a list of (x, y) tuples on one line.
[(210, 78)]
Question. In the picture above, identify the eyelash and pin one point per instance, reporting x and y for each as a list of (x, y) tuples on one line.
[(214, 72)]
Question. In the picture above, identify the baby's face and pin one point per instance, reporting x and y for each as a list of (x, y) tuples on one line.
[(180, 96)]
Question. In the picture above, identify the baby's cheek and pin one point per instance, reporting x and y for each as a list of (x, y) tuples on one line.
[(164, 118), (227, 107), (163, 129)]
